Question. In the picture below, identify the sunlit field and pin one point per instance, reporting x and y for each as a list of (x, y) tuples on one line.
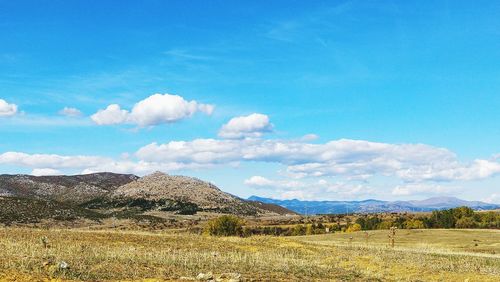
[(418, 255)]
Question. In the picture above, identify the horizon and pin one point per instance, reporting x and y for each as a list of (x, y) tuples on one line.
[(339, 100)]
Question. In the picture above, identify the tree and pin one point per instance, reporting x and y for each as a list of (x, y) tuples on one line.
[(309, 229), (465, 222), (386, 224), (299, 230), (444, 218), (226, 225), (462, 212), (354, 228), (414, 224)]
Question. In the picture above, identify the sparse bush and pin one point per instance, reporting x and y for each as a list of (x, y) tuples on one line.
[(226, 225)]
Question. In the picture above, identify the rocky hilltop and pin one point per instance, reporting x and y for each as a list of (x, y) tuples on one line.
[(159, 186)]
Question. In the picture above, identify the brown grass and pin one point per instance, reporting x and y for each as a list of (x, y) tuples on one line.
[(119, 256)]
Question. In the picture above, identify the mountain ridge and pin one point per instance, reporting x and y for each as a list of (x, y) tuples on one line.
[(101, 195), (374, 206)]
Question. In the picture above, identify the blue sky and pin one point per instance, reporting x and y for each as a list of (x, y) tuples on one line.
[(396, 100)]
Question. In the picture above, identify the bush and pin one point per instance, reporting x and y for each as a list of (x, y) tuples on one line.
[(299, 230), (353, 228), (226, 225)]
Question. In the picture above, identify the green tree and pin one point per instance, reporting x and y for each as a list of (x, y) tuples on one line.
[(414, 224), (465, 222), (354, 228), (299, 230), (226, 225), (309, 229), (462, 212), (386, 224)]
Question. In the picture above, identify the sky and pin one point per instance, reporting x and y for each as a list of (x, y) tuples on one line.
[(318, 100)]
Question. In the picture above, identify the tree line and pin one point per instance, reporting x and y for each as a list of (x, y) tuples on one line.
[(461, 217)]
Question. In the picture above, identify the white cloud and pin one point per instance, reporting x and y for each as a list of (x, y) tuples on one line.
[(254, 125), (45, 172), (154, 110), (493, 199), (113, 114), (321, 189), (309, 137), (295, 194), (70, 112), (50, 160), (206, 109), (352, 162), (45, 164), (260, 181), (6, 109), (422, 189), (353, 159)]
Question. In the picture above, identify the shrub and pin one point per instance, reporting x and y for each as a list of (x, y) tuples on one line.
[(226, 225), (299, 230), (309, 229), (353, 228)]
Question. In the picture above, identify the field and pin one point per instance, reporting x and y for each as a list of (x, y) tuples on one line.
[(419, 255)]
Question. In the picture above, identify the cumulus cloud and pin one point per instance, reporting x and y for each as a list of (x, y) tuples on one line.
[(293, 189), (493, 199), (254, 125), (45, 172), (51, 161), (154, 110), (47, 164), (113, 114), (70, 112), (6, 109), (422, 189), (354, 159), (260, 181)]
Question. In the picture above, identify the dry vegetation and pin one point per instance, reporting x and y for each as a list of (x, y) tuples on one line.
[(420, 255)]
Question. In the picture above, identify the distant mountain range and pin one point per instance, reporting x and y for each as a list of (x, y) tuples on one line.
[(374, 206)]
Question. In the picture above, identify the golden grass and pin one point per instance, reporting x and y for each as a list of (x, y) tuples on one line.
[(127, 256)]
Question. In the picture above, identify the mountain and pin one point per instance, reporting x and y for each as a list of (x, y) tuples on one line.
[(73, 189), (374, 206), (25, 198), (206, 196)]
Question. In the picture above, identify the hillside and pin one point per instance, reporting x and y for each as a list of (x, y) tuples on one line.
[(73, 189), (29, 199), (374, 206), (206, 196), (23, 210)]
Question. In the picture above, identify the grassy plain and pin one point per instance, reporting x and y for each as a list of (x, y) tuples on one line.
[(419, 255)]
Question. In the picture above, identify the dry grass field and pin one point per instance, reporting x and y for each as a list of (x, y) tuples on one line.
[(419, 255)]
